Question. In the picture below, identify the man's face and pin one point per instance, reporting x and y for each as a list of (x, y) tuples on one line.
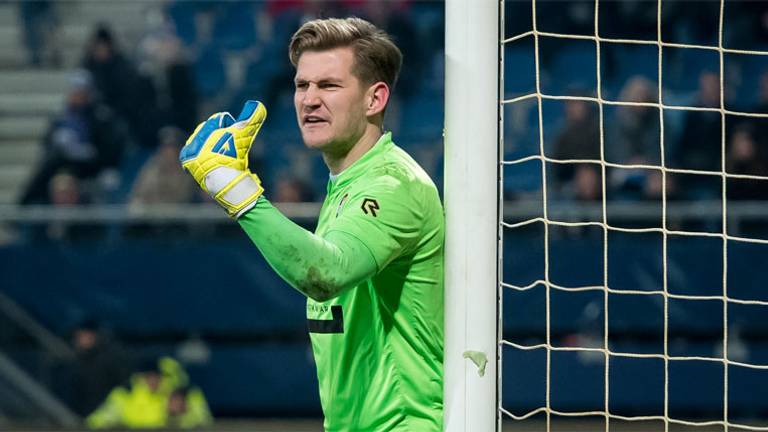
[(330, 101), (102, 51), (153, 380), (177, 404), (84, 339)]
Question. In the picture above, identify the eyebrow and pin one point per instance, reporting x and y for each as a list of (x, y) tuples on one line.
[(331, 80)]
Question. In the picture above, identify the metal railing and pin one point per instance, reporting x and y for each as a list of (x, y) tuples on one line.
[(169, 214)]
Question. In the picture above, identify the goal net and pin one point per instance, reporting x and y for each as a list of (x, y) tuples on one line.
[(634, 240)]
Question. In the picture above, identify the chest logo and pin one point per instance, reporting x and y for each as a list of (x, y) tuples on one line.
[(370, 206)]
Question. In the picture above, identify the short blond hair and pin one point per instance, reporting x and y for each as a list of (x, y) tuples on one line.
[(377, 58)]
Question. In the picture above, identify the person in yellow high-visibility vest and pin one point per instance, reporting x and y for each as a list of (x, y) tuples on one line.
[(187, 408), (144, 405)]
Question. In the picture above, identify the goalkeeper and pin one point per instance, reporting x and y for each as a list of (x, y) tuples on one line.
[(373, 270)]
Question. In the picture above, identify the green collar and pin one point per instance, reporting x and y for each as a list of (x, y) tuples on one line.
[(361, 165)]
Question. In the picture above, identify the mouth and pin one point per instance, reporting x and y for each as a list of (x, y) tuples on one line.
[(313, 121)]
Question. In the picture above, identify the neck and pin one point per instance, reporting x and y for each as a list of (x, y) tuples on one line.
[(339, 162)]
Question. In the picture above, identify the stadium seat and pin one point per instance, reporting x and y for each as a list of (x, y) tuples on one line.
[(210, 75)]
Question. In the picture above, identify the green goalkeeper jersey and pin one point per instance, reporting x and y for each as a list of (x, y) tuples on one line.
[(373, 275), (379, 346)]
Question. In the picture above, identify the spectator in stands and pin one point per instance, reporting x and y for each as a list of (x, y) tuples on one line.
[(653, 187), (633, 136), (699, 147), (100, 366), (86, 139), (744, 156), (187, 409), (65, 191), (758, 125), (579, 139), (113, 74), (179, 98), (145, 403), (130, 94), (586, 183), (160, 181), (39, 22), (142, 405), (633, 139), (762, 103), (163, 57)]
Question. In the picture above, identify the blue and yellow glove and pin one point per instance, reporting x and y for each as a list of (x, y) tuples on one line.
[(216, 155)]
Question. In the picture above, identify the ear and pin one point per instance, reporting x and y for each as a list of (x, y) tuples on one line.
[(377, 97)]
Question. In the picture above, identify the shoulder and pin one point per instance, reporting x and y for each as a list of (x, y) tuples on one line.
[(401, 189), (398, 170), (118, 394)]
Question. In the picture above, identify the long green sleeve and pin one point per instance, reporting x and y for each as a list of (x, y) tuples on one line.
[(319, 267)]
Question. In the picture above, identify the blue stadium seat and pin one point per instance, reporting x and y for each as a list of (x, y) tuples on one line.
[(573, 67), (682, 68), (182, 13), (210, 74), (519, 71), (235, 25), (422, 117), (621, 62), (750, 68)]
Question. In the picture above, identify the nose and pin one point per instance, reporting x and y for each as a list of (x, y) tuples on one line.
[(311, 97)]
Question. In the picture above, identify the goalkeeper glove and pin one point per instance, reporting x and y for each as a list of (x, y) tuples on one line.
[(216, 155)]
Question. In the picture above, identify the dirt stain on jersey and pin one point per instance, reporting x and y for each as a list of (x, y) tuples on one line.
[(318, 286)]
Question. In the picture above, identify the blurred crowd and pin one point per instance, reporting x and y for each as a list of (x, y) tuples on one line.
[(111, 390), (131, 104), (130, 108), (633, 138)]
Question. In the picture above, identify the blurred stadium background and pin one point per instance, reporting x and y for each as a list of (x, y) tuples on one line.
[(96, 98)]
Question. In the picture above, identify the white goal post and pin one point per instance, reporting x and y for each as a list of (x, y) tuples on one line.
[(472, 60)]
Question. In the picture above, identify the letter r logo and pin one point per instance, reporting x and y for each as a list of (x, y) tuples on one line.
[(370, 206)]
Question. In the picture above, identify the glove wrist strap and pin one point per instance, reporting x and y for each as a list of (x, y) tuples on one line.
[(236, 191)]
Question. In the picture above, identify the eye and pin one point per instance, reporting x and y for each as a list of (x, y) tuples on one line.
[(329, 85), (301, 85)]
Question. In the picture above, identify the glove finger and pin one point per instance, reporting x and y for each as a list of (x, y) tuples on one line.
[(197, 139), (226, 120), (248, 124), (249, 109), (222, 119), (197, 129), (251, 117)]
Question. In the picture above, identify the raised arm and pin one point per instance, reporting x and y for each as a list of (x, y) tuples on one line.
[(319, 267)]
